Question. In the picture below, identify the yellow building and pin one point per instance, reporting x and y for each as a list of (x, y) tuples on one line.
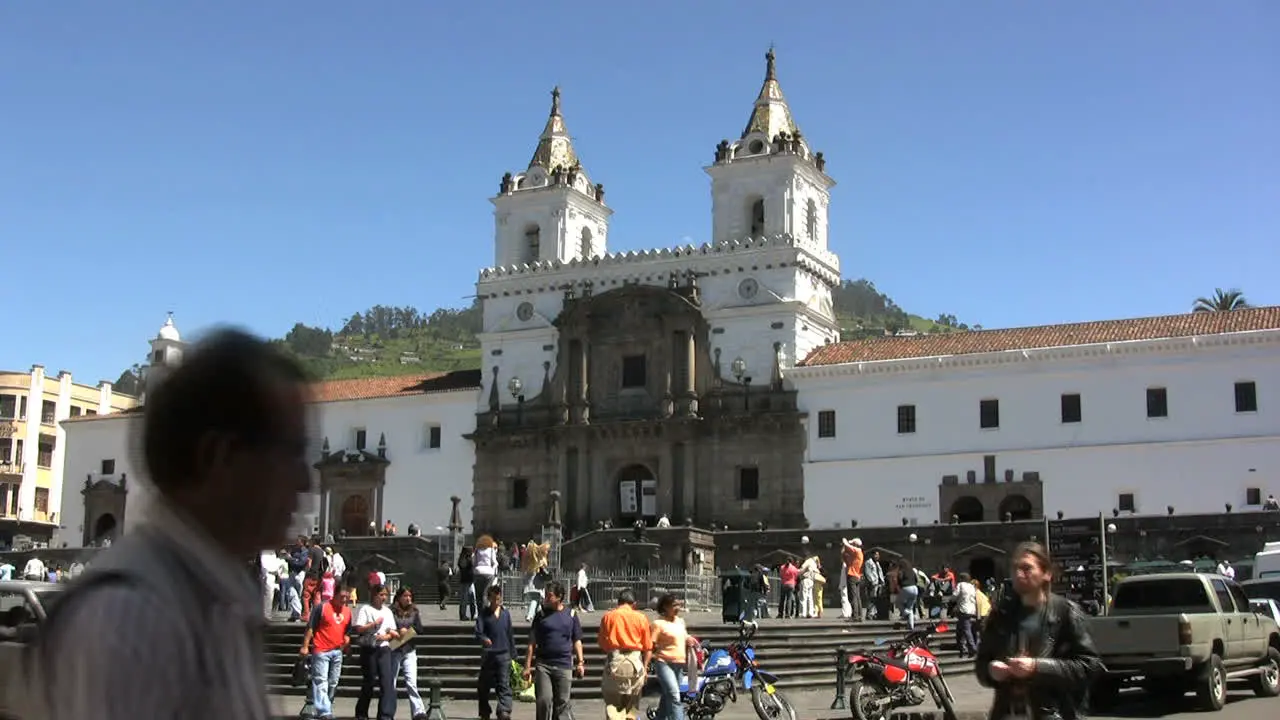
[(32, 404)]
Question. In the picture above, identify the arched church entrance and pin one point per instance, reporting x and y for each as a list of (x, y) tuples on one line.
[(1016, 507), (104, 528), (983, 569), (355, 515), (967, 509), (637, 495)]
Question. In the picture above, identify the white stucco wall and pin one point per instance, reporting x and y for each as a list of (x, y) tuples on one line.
[(1204, 454), (420, 479)]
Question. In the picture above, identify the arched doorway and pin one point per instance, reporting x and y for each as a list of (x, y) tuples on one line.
[(104, 528), (967, 509), (1016, 507), (983, 569), (355, 515), (637, 495)]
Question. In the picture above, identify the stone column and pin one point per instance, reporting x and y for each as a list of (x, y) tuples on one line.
[(584, 375), (688, 490), (691, 374), (377, 499)]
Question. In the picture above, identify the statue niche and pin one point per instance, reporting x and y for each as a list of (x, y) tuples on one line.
[(631, 353)]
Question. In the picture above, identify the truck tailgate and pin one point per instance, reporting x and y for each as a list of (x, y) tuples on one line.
[(1136, 635)]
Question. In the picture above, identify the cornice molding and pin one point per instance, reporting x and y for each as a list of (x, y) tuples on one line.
[(655, 266), (1068, 353)]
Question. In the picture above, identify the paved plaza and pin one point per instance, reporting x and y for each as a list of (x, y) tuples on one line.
[(972, 701)]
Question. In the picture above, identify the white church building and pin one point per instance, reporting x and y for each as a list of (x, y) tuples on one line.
[(1131, 415)]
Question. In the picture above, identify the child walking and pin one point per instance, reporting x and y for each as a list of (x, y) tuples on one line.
[(496, 636)]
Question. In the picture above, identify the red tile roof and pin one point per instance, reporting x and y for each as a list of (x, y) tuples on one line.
[(1045, 336), (361, 389), (384, 387)]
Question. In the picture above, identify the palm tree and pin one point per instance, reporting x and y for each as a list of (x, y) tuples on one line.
[(1222, 301)]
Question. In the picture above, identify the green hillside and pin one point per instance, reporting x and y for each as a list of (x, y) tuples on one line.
[(388, 341)]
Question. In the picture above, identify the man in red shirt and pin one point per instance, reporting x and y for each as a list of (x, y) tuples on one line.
[(325, 640)]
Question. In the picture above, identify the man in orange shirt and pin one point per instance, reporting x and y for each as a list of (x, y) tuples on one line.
[(852, 556), (625, 638)]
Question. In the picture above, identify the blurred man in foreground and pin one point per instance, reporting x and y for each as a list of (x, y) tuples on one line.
[(166, 623)]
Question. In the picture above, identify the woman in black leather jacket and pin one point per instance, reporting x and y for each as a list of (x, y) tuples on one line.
[(1036, 651)]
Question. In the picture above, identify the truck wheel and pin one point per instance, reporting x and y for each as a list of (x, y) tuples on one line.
[(1267, 682), (1104, 695), (1211, 686)]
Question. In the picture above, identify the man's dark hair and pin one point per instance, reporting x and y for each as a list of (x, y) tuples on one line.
[(225, 384), (555, 589), (493, 591), (626, 597)]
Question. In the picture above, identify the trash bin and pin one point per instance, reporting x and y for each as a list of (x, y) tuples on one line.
[(736, 598)]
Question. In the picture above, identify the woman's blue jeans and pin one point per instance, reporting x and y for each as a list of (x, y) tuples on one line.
[(907, 599), (670, 706)]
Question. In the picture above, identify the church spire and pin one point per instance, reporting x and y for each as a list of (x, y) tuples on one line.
[(771, 116), (555, 147)]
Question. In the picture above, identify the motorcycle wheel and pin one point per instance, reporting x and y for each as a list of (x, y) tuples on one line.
[(943, 696), (773, 706), (860, 692)]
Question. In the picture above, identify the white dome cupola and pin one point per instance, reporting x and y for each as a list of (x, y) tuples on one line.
[(550, 212), (166, 354)]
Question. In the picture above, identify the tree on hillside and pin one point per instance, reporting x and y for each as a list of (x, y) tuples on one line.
[(130, 381), (1221, 301), (309, 341)]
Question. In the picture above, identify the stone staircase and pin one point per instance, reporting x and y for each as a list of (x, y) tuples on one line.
[(800, 652)]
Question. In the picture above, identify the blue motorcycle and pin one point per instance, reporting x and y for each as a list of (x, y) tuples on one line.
[(723, 672)]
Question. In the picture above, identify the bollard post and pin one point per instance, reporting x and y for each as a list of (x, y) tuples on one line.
[(842, 662), (435, 704)]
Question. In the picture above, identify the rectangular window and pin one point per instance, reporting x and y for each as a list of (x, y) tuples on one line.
[(48, 412), (1071, 411), (989, 468), (8, 407), (519, 499), (1157, 402), (826, 423), (1125, 503), (989, 414), (748, 483), (634, 372), (13, 499), (44, 457), (6, 450), (431, 437), (22, 407), (361, 438), (109, 466), (42, 500), (906, 419), (1253, 496), (1246, 397), (19, 452), (90, 412), (76, 410)]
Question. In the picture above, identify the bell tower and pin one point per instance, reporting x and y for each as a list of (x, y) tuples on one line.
[(769, 182), (166, 354), (551, 212)]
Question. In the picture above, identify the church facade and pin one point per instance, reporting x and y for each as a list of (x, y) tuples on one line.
[(651, 383)]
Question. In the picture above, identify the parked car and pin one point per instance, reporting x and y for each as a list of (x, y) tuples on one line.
[(1267, 607), (22, 609), (1179, 632), (1262, 588)]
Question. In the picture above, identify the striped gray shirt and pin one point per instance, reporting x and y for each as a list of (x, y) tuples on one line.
[(179, 637)]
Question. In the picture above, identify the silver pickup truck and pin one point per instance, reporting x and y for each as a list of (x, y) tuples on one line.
[(1179, 632), (22, 609)]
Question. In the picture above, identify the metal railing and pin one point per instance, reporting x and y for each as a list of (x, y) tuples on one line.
[(700, 591)]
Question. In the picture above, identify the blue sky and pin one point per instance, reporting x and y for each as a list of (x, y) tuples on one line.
[(264, 163)]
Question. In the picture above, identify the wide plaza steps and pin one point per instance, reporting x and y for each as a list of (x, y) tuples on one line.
[(801, 652)]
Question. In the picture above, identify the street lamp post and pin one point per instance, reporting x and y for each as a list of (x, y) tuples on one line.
[(739, 369), (516, 387), (913, 539)]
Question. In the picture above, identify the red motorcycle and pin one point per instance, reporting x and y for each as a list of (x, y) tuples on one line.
[(905, 675)]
